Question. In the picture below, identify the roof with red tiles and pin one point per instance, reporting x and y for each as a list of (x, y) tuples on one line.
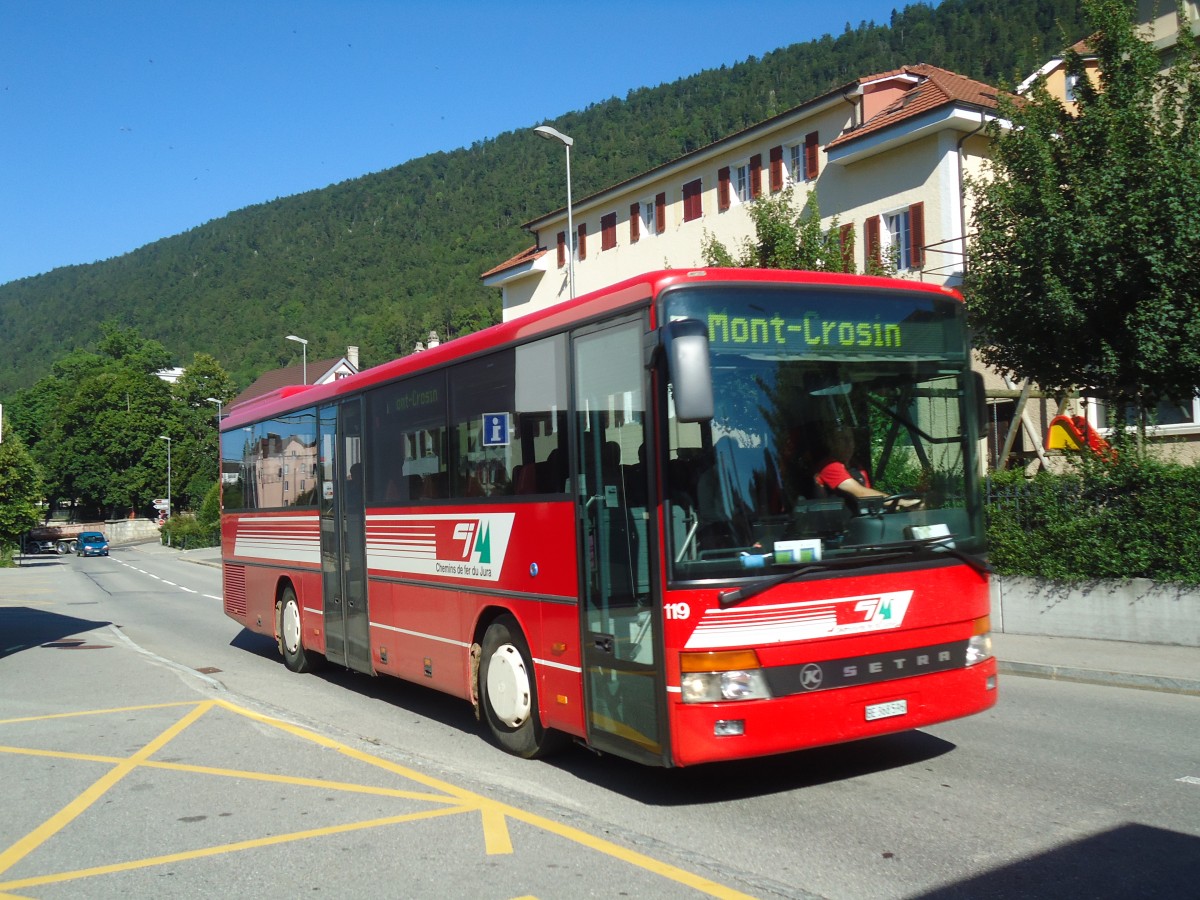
[(935, 88), (529, 254)]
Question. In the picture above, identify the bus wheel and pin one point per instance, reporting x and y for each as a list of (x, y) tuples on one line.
[(509, 692), (295, 657)]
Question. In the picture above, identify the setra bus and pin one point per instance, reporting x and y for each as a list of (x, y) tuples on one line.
[(607, 520)]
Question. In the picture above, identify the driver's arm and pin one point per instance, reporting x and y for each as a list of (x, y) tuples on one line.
[(854, 489)]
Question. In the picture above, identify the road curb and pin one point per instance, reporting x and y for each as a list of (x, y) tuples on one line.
[(1100, 676)]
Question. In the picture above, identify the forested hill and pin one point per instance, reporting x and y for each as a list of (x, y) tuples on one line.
[(380, 260)]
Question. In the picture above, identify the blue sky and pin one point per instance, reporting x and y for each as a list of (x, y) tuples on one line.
[(126, 121)]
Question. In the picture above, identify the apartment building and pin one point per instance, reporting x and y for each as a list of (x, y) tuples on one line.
[(885, 155)]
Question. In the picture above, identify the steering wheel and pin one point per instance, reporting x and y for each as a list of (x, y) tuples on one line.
[(891, 503)]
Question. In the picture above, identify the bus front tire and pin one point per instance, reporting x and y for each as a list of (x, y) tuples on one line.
[(508, 689), (291, 646)]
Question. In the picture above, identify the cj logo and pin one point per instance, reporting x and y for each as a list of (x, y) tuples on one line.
[(811, 677), (465, 532)]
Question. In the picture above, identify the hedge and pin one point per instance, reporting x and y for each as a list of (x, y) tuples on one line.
[(1135, 518)]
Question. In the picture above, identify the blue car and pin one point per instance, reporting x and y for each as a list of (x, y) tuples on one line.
[(91, 543)]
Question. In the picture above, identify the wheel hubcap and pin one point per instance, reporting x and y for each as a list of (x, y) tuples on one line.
[(291, 627), (508, 686)]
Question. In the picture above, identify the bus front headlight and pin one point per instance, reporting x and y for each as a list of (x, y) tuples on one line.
[(722, 676)]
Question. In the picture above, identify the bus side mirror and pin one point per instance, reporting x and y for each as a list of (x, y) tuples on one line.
[(686, 345)]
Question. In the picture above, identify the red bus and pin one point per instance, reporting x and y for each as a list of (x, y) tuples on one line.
[(605, 520)]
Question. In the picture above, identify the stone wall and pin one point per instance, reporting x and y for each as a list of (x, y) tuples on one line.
[(130, 531), (1136, 610)]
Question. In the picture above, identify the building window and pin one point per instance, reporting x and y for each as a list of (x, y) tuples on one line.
[(742, 183), (756, 175), (904, 232), (635, 222), (1071, 87), (608, 232), (562, 249), (796, 162), (660, 213), (776, 179), (898, 239), (1166, 417), (581, 247)]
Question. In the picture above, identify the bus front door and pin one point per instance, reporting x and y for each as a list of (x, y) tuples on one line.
[(343, 537), (622, 678)]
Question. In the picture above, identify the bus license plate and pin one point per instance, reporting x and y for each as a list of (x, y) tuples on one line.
[(887, 710)]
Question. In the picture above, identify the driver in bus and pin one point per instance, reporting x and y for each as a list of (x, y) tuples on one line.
[(841, 478)]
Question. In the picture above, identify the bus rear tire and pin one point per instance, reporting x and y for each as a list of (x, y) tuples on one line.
[(508, 690), (291, 644)]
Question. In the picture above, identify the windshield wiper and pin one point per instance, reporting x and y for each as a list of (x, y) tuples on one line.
[(745, 592), (943, 544), (885, 553)]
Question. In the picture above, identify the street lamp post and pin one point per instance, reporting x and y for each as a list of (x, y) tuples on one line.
[(304, 350), (219, 462), (553, 134), (163, 437)]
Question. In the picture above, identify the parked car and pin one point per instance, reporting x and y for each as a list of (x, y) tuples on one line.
[(91, 543)]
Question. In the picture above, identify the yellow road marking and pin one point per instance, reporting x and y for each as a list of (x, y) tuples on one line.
[(242, 774), (97, 712), (76, 807), (253, 844), (494, 815)]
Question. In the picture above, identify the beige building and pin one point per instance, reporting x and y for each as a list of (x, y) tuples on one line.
[(885, 155)]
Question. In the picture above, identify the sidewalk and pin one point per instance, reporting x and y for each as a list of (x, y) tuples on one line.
[(1154, 667)]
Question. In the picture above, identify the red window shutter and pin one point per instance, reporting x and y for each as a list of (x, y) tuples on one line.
[(692, 208), (562, 249), (776, 169), (723, 189), (846, 243), (582, 251), (660, 213), (756, 176), (635, 222), (608, 232), (874, 253), (811, 144), (916, 224)]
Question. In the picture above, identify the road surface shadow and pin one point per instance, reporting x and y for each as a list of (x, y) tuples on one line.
[(23, 628), (1130, 860)]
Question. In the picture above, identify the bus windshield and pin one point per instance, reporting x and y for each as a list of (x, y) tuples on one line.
[(840, 435)]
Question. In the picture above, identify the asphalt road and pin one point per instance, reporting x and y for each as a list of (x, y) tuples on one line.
[(339, 782)]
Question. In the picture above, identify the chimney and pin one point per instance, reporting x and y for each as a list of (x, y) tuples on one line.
[(352, 356), (433, 340)]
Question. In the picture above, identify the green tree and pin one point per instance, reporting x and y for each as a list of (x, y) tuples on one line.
[(1085, 270), (96, 423), (20, 492), (785, 239), (193, 428)]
